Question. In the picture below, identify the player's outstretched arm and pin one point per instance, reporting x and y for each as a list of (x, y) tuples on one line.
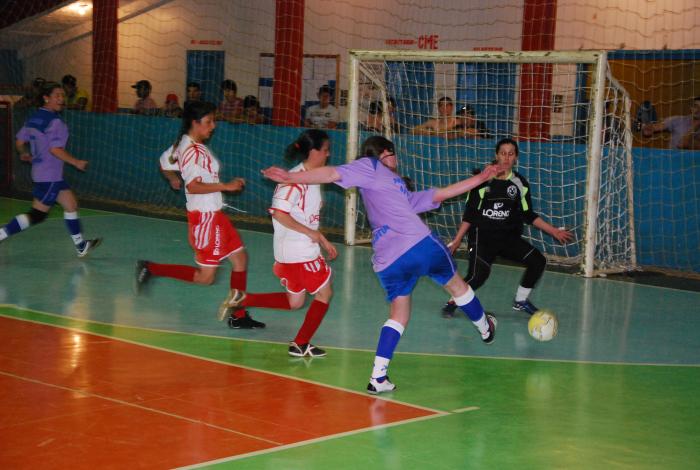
[(560, 234), (324, 174), (468, 184)]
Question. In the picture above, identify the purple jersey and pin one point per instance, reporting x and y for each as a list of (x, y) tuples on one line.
[(391, 208), (45, 130)]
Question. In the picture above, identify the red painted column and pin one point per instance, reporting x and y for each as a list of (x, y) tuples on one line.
[(289, 57), (539, 24), (104, 56)]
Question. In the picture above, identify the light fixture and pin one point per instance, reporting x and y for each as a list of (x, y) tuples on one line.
[(80, 7)]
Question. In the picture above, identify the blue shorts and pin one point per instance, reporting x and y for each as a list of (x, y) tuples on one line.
[(429, 257), (46, 193)]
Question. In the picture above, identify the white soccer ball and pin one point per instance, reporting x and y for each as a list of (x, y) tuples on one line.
[(543, 325)]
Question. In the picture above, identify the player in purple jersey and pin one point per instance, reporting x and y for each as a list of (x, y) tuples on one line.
[(42, 141), (404, 248)]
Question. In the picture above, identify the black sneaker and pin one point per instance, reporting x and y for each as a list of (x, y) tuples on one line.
[(88, 246), (525, 306), (308, 349), (448, 310), (141, 276), (491, 334), (244, 323)]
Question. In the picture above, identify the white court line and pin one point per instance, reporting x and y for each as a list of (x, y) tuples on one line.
[(465, 409), (310, 441), (207, 359), (134, 405), (406, 353)]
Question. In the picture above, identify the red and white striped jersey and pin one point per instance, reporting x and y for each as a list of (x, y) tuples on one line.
[(196, 162), (303, 202)]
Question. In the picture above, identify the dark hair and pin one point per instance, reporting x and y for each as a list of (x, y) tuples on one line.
[(506, 141), (310, 139), (229, 85), (445, 99), (465, 110), (250, 101), (376, 145), (193, 85), (376, 107), (69, 80), (324, 89), (48, 87), (194, 111), (697, 98)]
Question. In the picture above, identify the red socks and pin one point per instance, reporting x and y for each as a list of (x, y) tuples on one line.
[(175, 271), (277, 300), (314, 317)]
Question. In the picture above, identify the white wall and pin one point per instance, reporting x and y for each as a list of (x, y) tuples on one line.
[(153, 45)]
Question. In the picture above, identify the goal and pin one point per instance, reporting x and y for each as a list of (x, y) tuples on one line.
[(568, 113)]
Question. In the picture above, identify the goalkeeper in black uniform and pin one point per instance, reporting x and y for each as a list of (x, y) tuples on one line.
[(494, 219)]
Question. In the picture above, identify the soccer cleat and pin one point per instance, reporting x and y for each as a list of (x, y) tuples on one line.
[(448, 310), (88, 246), (380, 385), (308, 349), (490, 335), (232, 300), (244, 323), (141, 276), (524, 306)]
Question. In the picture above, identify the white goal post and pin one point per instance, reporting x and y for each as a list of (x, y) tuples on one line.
[(566, 110)]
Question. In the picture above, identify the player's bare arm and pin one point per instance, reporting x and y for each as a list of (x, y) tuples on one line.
[(457, 240), (559, 234), (23, 150), (468, 184), (196, 186), (324, 174), (315, 235), (62, 154)]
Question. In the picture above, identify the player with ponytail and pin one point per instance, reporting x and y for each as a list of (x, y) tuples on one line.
[(211, 234), (297, 242)]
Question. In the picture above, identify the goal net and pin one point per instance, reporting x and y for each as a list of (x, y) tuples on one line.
[(445, 112)]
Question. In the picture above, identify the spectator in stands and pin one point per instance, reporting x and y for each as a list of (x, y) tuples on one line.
[(231, 108), (194, 92), (76, 98), (445, 120), (251, 111), (172, 106), (467, 125), (685, 130), (322, 115), (32, 96), (145, 104), (375, 117)]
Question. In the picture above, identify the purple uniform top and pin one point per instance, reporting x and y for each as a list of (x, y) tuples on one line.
[(45, 130), (391, 208)]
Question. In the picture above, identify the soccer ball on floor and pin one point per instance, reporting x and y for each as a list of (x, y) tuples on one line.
[(543, 325)]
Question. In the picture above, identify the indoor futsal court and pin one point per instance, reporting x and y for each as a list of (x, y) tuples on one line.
[(93, 376)]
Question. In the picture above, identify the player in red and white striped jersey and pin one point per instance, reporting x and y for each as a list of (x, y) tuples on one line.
[(211, 234), (297, 245)]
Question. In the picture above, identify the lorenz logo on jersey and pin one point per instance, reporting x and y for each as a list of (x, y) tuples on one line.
[(495, 214), (217, 241), (512, 191)]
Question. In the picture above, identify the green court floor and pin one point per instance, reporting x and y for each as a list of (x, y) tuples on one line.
[(614, 390)]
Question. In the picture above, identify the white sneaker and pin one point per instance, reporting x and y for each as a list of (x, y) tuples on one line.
[(234, 298), (375, 386)]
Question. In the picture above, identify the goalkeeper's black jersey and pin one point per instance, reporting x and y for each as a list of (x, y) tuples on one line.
[(500, 206)]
